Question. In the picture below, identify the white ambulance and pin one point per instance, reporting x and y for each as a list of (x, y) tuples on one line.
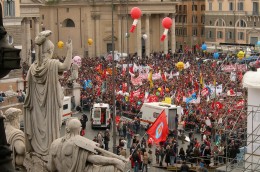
[(66, 110), (150, 111), (100, 116)]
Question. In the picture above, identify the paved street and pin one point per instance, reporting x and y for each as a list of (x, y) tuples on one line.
[(90, 134)]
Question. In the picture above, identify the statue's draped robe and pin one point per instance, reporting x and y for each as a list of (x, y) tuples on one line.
[(42, 106), (66, 156), (13, 135)]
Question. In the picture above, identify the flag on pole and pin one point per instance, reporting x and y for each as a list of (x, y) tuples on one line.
[(201, 80), (150, 78), (159, 129)]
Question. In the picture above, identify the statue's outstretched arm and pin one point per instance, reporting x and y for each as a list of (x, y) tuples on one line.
[(102, 160), (66, 64)]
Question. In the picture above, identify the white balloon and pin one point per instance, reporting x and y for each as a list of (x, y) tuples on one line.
[(145, 36), (126, 94), (120, 92)]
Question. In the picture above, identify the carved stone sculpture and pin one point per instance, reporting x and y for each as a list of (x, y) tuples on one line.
[(10, 92), (76, 64), (79, 154), (14, 136), (43, 102)]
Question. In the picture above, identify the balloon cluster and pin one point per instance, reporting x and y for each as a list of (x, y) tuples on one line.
[(135, 14), (77, 60), (167, 23), (60, 44), (180, 66), (204, 47), (240, 55), (216, 55), (90, 41)]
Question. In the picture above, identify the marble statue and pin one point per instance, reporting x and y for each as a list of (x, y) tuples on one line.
[(11, 92), (14, 136), (43, 102), (79, 154)]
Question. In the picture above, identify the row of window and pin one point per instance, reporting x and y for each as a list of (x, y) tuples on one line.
[(183, 19), (240, 7), (183, 31), (183, 8), (230, 35), (221, 22)]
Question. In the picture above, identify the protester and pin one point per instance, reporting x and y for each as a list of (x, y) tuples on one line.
[(106, 139), (184, 167)]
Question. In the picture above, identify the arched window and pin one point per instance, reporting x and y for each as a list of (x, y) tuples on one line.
[(68, 23), (241, 23), (220, 22)]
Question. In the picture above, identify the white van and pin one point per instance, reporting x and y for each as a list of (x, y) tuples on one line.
[(150, 111), (100, 115), (66, 110)]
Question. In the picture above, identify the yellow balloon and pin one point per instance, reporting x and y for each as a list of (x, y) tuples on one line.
[(180, 65), (240, 55), (90, 41), (159, 89), (60, 44)]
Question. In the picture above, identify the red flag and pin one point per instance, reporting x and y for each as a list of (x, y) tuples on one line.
[(152, 98), (164, 77), (98, 67), (159, 129), (104, 74), (131, 69), (197, 46), (217, 105)]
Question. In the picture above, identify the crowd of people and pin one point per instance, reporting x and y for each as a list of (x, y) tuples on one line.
[(212, 100)]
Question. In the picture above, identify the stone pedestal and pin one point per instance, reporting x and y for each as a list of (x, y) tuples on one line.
[(34, 163), (76, 93), (252, 154)]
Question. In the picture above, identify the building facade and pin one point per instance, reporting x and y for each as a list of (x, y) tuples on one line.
[(232, 22), (82, 20), (190, 20)]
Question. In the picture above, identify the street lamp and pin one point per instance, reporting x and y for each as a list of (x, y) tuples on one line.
[(145, 38), (113, 81)]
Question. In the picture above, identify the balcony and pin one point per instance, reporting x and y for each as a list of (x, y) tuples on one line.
[(252, 13)]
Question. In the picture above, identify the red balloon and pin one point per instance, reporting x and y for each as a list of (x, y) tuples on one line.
[(167, 22), (136, 13)]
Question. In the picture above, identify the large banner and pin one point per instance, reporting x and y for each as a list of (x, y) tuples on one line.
[(234, 67)]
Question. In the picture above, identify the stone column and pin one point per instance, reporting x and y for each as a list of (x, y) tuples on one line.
[(76, 93), (28, 42), (98, 41), (119, 34), (139, 38), (90, 25), (37, 30), (147, 32), (36, 25), (173, 37), (24, 50)]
